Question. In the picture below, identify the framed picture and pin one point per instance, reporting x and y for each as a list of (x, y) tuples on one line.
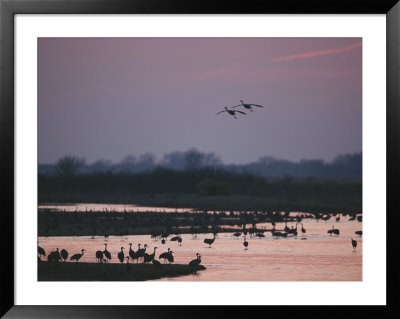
[(263, 156)]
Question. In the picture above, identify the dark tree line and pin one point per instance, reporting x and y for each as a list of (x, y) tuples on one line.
[(344, 166)]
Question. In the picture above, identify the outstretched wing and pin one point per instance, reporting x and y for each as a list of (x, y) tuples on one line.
[(220, 112), (236, 106), (241, 112), (258, 105)]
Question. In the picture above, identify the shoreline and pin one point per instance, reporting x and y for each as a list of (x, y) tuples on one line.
[(72, 271)]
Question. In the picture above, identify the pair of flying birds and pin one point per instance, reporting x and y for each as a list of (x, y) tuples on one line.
[(233, 112)]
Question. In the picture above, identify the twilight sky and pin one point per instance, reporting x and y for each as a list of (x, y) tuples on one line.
[(106, 98)]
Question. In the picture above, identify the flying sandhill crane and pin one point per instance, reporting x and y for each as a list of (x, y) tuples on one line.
[(248, 106), (354, 244), (121, 255), (209, 241), (106, 253), (245, 243), (77, 256), (231, 112), (358, 232), (64, 254), (41, 252), (99, 256), (164, 255), (149, 257), (195, 262)]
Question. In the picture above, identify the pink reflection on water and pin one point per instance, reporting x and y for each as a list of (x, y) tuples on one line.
[(316, 256)]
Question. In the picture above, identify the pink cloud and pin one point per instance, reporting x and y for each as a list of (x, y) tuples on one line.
[(317, 53)]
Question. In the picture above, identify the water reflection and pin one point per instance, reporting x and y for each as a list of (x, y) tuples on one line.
[(313, 256)]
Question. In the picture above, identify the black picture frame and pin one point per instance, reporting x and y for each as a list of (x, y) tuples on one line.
[(9, 8)]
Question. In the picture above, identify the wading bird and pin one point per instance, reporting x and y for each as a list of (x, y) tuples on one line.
[(333, 231), (209, 241), (106, 253), (303, 230), (237, 234), (140, 252), (245, 243), (164, 255), (178, 239), (121, 255), (248, 106), (99, 256), (354, 244), (77, 256), (195, 262), (149, 257), (41, 252), (231, 112), (131, 252), (170, 257), (64, 254)]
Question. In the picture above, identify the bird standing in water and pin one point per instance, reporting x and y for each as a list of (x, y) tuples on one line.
[(245, 243), (354, 244)]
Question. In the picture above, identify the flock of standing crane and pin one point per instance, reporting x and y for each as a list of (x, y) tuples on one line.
[(140, 255), (104, 256), (233, 112)]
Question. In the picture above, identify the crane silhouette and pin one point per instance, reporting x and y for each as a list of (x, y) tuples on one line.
[(178, 239), (303, 230), (231, 112), (121, 255), (354, 244), (209, 241), (333, 231), (99, 256), (140, 253), (77, 256), (195, 262), (131, 252), (245, 243), (149, 257), (164, 255), (170, 257), (106, 253), (64, 254), (237, 234), (41, 252), (247, 106)]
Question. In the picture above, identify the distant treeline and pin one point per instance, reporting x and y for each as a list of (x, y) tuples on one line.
[(344, 166), (204, 182)]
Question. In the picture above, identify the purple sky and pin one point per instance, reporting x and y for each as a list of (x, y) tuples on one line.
[(108, 98)]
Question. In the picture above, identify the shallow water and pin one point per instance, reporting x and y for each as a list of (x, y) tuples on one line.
[(315, 256)]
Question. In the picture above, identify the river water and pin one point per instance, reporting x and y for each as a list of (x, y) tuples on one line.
[(315, 256)]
